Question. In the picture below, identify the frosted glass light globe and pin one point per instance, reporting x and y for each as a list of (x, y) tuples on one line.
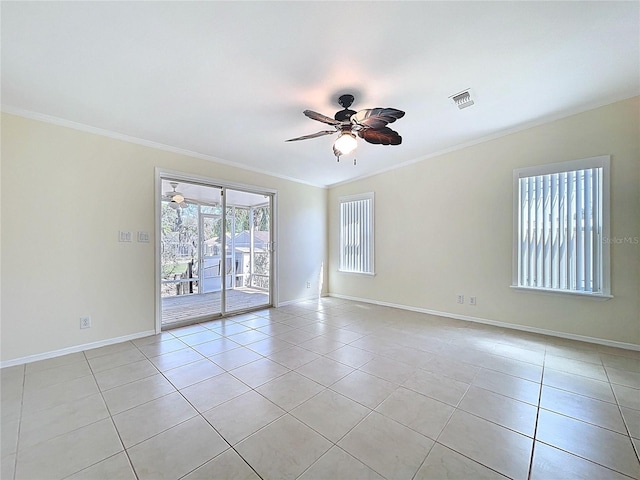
[(346, 143)]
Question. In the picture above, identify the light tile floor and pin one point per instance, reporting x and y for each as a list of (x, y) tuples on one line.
[(330, 389)]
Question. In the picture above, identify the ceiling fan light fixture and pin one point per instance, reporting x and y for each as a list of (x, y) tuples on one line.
[(346, 143), (369, 124), (177, 198)]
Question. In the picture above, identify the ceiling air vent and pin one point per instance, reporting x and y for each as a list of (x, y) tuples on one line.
[(462, 99)]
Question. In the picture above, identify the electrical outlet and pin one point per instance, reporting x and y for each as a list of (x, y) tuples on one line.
[(460, 298), (85, 322), (473, 301), (308, 284)]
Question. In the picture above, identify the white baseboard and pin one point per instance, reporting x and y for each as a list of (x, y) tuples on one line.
[(513, 326), (74, 349), (302, 299)]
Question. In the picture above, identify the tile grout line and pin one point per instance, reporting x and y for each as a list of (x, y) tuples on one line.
[(535, 428), (624, 420), (435, 440), (456, 451), (126, 452), (427, 456), (24, 380)]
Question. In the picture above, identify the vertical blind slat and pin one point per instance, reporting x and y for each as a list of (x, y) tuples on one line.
[(342, 243), (359, 244), (345, 234), (546, 231), (538, 233), (530, 231), (524, 225), (367, 229), (352, 237), (363, 238), (570, 231), (597, 222), (588, 231), (365, 243), (562, 231), (580, 230), (553, 219), (367, 240)]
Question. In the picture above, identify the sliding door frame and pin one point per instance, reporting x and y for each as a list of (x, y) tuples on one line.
[(224, 185)]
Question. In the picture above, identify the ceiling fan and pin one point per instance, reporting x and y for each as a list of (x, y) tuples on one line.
[(176, 199), (369, 124)]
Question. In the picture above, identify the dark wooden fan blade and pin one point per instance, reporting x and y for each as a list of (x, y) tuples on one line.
[(321, 118), (376, 117), (313, 135), (381, 136)]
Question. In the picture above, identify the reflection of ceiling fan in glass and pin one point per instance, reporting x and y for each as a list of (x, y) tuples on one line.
[(175, 198)]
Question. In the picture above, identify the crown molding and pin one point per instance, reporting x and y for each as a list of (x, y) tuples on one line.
[(503, 133), (41, 117)]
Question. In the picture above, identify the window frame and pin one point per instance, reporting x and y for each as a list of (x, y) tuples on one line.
[(371, 237), (603, 162)]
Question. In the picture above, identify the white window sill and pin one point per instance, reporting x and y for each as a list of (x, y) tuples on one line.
[(550, 291), (372, 274)]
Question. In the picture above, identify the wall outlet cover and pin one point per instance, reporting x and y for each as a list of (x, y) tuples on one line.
[(124, 236)]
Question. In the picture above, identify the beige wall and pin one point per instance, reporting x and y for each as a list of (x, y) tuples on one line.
[(67, 193), (444, 226)]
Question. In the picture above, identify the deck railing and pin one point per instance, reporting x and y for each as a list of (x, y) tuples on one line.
[(258, 280)]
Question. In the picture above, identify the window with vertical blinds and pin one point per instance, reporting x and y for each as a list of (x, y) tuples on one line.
[(562, 219), (356, 234)]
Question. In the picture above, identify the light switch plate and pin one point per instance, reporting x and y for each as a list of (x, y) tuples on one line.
[(124, 236), (143, 237)]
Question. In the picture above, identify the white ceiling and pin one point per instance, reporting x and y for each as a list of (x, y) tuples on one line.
[(229, 80)]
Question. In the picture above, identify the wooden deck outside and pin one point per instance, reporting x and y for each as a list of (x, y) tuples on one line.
[(181, 308)]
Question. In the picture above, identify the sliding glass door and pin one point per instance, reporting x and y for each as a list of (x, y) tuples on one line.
[(248, 220), (216, 251)]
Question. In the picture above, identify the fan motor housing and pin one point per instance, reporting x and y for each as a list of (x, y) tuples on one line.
[(345, 101), (344, 115)]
